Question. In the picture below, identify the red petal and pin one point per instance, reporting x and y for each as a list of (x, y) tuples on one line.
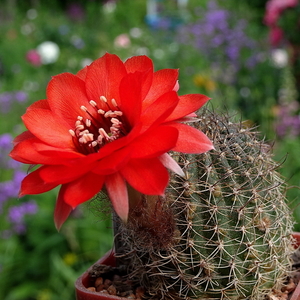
[(104, 76), (154, 142), (171, 164), (39, 104), (48, 128), (64, 174), (131, 97), (33, 151), (163, 82), (113, 162), (187, 104), (191, 140), (82, 189), (147, 176), (22, 137), (66, 94), (117, 191), (62, 210), (138, 63), (160, 110), (82, 73), (144, 65), (33, 184)]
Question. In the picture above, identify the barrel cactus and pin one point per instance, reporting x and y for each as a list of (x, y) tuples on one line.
[(223, 232)]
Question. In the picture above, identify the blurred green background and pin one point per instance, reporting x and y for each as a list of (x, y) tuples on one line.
[(223, 49)]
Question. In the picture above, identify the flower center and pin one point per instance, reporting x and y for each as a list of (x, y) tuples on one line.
[(99, 127)]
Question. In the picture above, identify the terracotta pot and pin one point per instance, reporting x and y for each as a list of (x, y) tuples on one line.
[(84, 281)]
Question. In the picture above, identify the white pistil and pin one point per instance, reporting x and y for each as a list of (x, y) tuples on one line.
[(118, 113), (93, 103), (88, 123), (108, 114), (72, 132), (80, 127), (87, 137), (103, 98), (113, 114), (83, 108), (85, 128), (93, 144), (83, 132), (115, 121), (104, 134), (100, 139), (114, 102), (114, 129)]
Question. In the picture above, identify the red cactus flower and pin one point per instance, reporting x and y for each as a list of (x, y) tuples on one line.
[(110, 125)]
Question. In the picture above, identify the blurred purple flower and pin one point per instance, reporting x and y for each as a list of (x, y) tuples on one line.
[(10, 188), (17, 214), (220, 36), (76, 12), (8, 98), (77, 42), (288, 121)]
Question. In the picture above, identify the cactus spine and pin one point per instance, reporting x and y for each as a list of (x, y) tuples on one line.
[(223, 232)]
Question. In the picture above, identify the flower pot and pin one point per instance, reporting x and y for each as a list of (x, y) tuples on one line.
[(85, 281)]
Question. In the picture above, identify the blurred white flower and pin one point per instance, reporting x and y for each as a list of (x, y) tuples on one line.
[(135, 32), (142, 51), (245, 92), (159, 53), (85, 62), (31, 14), (48, 51), (27, 28), (279, 58), (109, 6)]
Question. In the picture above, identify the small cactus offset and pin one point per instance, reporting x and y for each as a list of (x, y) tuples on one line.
[(223, 232)]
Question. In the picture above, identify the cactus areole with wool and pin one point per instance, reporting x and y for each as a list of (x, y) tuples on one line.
[(109, 126), (223, 231)]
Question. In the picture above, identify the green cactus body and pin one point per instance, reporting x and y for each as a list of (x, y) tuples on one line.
[(223, 232)]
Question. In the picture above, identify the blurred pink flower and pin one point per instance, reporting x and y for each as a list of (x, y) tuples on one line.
[(274, 9), (122, 41), (33, 57), (276, 35)]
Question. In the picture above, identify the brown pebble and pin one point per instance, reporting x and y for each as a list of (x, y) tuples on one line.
[(92, 289), (107, 283), (112, 290), (139, 292), (131, 296), (104, 292), (289, 287), (100, 287), (98, 281)]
